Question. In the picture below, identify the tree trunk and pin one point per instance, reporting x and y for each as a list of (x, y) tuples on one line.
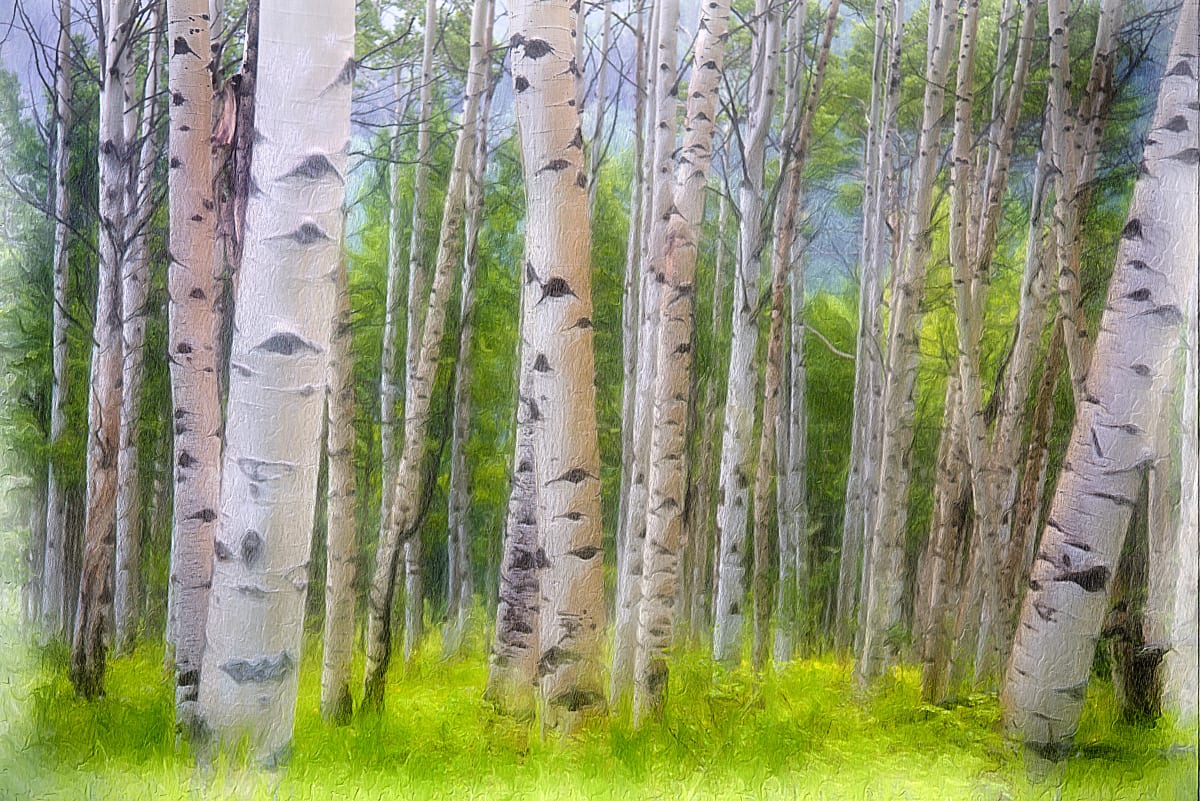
[(459, 589), (862, 477), (279, 356), (192, 337), (53, 597), (341, 553), (1156, 265), (424, 346), (884, 584), (557, 327), (135, 286), (657, 165), (88, 651), (675, 265), (734, 484)]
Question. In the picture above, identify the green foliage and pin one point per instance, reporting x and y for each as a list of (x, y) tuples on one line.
[(802, 732)]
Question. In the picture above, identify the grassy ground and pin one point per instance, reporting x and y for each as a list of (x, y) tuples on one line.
[(804, 732)]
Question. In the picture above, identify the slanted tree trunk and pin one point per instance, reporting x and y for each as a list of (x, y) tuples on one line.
[(192, 344), (1111, 442), (734, 483), (460, 588), (53, 597), (884, 578), (557, 329), (341, 551), (676, 265), (425, 340), (89, 644), (279, 357)]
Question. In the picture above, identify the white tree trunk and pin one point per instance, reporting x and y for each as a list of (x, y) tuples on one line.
[(459, 588), (1111, 443), (884, 581), (104, 400), (557, 329), (734, 483), (134, 289), (425, 340), (53, 597), (341, 552), (278, 362), (193, 324), (658, 163), (675, 262)]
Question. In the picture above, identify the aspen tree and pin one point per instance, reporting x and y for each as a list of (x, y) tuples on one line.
[(192, 330), (89, 644), (53, 596), (279, 357), (556, 328), (1110, 446)]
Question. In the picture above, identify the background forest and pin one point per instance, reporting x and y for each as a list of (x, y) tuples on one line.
[(888, 487)]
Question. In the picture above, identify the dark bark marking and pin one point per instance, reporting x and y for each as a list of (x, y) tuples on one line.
[(252, 547), (555, 165), (177, 99), (541, 364), (260, 669), (575, 475), (576, 699), (1139, 295), (196, 294), (306, 234), (553, 657), (286, 343), (1092, 579), (182, 48), (586, 552), (313, 168), (1182, 67), (186, 460), (1189, 155), (1132, 229), (204, 515), (534, 48), (1176, 124), (520, 83), (556, 287)]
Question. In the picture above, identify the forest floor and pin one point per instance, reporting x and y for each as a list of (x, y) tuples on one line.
[(802, 732)]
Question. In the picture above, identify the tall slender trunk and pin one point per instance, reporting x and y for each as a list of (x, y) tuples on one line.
[(657, 167), (279, 354), (341, 552), (193, 322), (884, 584), (734, 484), (135, 286), (1051, 660), (53, 597), (862, 475), (459, 586), (424, 346), (557, 328), (89, 646), (675, 263), (596, 156)]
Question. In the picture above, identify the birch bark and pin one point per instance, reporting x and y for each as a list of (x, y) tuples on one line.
[(557, 329), (676, 265), (193, 357), (53, 596), (734, 483), (279, 357), (341, 550), (89, 647), (1110, 445)]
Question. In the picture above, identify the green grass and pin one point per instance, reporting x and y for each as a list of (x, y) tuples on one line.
[(804, 732)]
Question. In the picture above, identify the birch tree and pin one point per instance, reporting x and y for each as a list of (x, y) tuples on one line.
[(341, 550), (459, 587), (425, 339), (1111, 442), (89, 644), (192, 337), (53, 596), (279, 355), (677, 267), (734, 482), (557, 329), (883, 572), (657, 166), (135, 284)]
